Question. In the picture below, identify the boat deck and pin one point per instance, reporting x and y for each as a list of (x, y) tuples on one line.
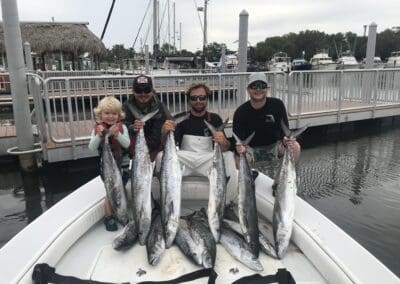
[(101, 262)]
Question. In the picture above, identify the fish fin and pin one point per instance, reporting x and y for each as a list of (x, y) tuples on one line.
[(210, 126), (181, 117), (227, 179), (149, 115), (244, 142), (299, 131), (285, 129)]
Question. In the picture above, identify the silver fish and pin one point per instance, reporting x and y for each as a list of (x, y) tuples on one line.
[(170, 186), (200, 232), (127, 237), (285, 196), (247, 201), (142, 175), (239, 249), (218, 181), (115, 190), (155, 245), (265, 244), (186, 243)]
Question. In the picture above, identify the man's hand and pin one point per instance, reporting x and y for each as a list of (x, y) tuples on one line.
[(240, 148), (99, 130), (137, 125), (290, 142), (114, 131), (169, 125), (219, 137)]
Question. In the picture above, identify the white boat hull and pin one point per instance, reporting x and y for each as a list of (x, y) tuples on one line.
[(72, 229)]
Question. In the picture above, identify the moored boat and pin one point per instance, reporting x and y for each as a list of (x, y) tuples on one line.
[(300, 64), (322, 61), (280, 62), (71, 237), (394, 60), (347, 61)]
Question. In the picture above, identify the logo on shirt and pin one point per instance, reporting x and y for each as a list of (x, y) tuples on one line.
[(269, 118)]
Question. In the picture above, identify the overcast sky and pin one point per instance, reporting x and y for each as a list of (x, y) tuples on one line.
[(266, 18)]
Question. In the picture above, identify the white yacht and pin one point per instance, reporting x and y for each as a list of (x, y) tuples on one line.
[(394, 60), (322, 61), (378, 63), (280, 62), (347, 61)]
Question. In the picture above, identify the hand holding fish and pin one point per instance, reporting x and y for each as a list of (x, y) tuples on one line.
[(137, 125), (219, 137), (169, 125), (99, 129), (290, 142), (114, 131)]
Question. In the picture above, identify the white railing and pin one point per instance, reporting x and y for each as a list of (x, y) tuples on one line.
[(69, 101)]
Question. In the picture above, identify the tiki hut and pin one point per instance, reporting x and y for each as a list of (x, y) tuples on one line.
[(57, 42)]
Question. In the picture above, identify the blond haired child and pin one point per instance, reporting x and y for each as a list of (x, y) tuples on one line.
[(108, 116)]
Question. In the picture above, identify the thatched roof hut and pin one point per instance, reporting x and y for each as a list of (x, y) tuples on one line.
[(55, 37)]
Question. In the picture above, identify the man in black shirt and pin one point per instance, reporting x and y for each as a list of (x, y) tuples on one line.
[(193, 136), (262, 115), (141, 103)]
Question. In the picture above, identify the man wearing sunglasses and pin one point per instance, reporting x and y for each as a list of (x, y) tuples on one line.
[(193, 136), (141, 103), (262, 115)]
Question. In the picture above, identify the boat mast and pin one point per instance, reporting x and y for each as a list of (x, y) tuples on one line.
[(155, 31)]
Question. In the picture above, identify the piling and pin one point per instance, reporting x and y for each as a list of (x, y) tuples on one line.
[(242, 52), (369, 57), (16, 67)]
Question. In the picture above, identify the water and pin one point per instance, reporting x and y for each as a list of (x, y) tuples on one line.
[(351, 176)]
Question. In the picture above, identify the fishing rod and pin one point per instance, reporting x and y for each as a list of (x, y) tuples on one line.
[(108, 18)]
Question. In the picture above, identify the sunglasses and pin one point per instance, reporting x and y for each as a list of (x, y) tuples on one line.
[(201, 98), (258, 86), (143, 90)]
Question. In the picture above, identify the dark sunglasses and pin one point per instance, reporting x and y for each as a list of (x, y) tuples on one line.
[(258, 86), (142, 90), (200, 98)]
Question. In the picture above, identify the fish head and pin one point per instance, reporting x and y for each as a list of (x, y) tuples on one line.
[(207, 260)]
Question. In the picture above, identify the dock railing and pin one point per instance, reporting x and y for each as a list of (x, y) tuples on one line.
[(69, 100)]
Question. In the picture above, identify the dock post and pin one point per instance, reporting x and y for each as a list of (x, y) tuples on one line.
[(242, 53), (28, 56), (223, 59), (369, 57), (16, 67)]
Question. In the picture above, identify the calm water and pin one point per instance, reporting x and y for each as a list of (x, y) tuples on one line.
[(352, 176)]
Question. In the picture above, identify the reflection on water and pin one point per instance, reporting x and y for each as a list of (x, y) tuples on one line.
[(356, 184), (53, 183)]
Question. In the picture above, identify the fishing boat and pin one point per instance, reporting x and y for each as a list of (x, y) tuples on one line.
[(347, 61), (71, 237), (322, 61), (280, 62), (300, 64), (394, 60)]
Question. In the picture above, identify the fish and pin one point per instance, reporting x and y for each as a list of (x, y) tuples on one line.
[(141, 176), (265, 244), (155, 244), (285, 196), (218, 182), (113, 184), (186, 243), (127, 237), (248, 216), (170, 189), (203, 238), (239, 249)]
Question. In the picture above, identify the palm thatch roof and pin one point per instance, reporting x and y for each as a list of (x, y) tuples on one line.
[(48, 37)]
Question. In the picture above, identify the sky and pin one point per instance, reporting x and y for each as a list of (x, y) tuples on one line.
[(266, 18)]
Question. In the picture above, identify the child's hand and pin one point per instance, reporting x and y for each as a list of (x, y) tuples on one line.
[(99, 130), (137, 125), (114, 131)]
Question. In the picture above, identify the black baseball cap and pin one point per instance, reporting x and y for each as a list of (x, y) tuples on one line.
[(142, 83)]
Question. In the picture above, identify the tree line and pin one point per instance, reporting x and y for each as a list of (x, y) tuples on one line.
[(307, 42)]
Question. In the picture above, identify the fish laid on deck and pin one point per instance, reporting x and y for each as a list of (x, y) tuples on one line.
[(155, 245)]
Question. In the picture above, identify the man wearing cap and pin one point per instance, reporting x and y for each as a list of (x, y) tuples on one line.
[(141, 103), (262, 115)]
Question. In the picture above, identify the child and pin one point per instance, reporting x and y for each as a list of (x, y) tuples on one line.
[(108, 116)]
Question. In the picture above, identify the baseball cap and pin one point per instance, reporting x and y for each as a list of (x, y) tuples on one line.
[(142, 83), (257, 76)]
